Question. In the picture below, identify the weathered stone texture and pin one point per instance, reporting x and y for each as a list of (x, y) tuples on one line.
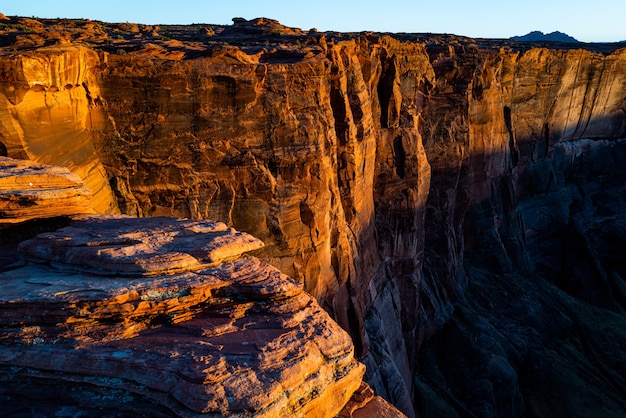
[(48, 108), (180, 328), (34, 191)]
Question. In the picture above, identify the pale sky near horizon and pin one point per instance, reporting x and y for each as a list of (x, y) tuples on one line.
[(587, 21)]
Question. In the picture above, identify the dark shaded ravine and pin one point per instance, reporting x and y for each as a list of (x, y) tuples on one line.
[(538, 327)]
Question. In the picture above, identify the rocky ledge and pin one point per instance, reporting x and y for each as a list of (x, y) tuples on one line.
[(164, 316), (34, 191)]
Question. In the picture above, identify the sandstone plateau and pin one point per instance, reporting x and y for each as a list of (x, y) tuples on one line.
[(456, 205)]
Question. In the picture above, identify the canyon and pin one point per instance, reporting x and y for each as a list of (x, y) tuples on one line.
[(456, 205)]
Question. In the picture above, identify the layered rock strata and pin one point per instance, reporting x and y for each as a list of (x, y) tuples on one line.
[(528, 208), (164, 317), (34, 191), (45, 114), (389, 174)]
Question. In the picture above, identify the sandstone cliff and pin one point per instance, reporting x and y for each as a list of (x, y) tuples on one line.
[(396, 177), (538, 202), (45, 114), (31, 191)]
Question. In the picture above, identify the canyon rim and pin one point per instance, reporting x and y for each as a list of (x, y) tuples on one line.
[(456, 205)]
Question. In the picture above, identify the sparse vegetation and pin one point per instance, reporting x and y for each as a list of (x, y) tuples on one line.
[(16, 27)]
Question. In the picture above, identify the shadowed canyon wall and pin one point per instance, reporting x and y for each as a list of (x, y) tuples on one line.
[(394, 178), (526, 194)]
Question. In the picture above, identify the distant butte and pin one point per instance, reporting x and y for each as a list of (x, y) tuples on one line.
[(537, 36)]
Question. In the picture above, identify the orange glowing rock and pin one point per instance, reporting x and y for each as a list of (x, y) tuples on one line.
[(34, 191)]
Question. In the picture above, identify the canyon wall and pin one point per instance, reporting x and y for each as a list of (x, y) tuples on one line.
[(317, 153), (46, 116), (524, 222), (388, 175)]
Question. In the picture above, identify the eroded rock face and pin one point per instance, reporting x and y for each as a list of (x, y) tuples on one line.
[(45, 114), (532, 199), (389, 175), (187, 327)]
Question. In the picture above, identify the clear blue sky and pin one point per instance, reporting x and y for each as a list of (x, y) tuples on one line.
[(588, 21)]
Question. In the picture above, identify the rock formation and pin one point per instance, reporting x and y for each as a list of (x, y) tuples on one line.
[(161, 316), (538, 36), (47, 119), (160, 332), (36, 198), (431, 191), (32, 191)]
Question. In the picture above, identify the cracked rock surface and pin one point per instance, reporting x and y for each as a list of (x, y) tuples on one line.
[(166, 317)]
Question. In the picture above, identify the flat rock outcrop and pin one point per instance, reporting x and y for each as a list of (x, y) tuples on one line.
[(125, 246), (163, 316), (34, 191)]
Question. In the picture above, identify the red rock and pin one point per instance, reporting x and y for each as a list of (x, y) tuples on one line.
[(182, 328), (369, 165), (363, 404), (127, 246)]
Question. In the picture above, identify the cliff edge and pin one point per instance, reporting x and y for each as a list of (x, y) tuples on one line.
[(161, 316)]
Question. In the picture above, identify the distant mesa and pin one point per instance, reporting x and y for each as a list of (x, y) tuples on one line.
[(538, 36), (261, 26)]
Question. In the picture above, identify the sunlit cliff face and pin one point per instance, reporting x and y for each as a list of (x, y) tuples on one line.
[(47, 116), (379, 172)]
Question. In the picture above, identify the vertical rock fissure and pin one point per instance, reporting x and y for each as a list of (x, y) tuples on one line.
[(399, 156), (509, 129), (355, 328), (338, 106), (385, 91)]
